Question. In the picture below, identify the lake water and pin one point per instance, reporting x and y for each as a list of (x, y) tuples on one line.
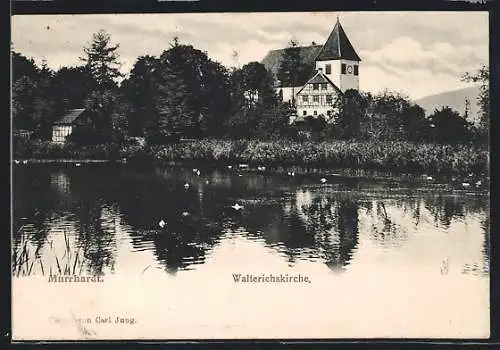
[(383, 258)]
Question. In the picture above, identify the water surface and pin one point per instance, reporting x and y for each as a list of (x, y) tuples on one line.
[(345, 234)]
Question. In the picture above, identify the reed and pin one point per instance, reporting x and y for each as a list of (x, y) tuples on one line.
[(369, 155), (25, 260), (392, 156)]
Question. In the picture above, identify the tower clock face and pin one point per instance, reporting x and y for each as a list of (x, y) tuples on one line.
[(349, 69)]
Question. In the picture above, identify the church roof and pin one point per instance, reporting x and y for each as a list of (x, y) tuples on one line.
[(337, 46), (272, 60)]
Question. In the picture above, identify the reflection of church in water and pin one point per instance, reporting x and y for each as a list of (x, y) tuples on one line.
[(315, 227)]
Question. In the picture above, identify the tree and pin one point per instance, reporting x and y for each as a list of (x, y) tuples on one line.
[(482, 76), (43, 108), (388, 116), (352, 111), (102, 107), (102, 64), (23, 67), (256, 109), (449, 126), (23, 97), (291, 67), (253, 84), (25, 76), (70, 87), (176, 117), (193, 95), (415, 124), (140, 90), (102, 60)]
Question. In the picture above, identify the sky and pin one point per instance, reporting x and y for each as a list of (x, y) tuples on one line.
[(415, 53)]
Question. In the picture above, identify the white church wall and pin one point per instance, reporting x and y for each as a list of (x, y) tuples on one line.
[(349, 80), (334, 74), (343, 81)]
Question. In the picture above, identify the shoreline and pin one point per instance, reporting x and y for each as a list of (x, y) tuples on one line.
[(62, 160), (461, 181), (396, 158)]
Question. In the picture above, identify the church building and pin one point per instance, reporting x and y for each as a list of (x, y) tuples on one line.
[(332, 70)]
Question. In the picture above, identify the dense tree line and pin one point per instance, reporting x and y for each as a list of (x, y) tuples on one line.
[(392, 116), (184, 93)]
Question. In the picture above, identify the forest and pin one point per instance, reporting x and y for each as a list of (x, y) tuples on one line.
[(187, 106)]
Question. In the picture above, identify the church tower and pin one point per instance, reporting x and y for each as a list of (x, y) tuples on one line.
[(338, 60)]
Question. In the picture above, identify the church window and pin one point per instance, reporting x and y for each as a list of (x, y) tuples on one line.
[(356, 70), (315, 113), (315, 86), (329, 99), (304, 113), (323, 86), (329, 113), (343, 67), (315, 98), (328, 69), (305, 98)]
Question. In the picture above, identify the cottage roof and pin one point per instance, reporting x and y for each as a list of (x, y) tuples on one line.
[(319, 77), (70, 116), (337, 46)]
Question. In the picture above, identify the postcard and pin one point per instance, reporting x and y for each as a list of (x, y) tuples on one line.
[(250, 176)]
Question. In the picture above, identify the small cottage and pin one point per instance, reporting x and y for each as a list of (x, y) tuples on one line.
[(64, 126)]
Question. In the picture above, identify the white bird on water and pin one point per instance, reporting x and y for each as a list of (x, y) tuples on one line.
[(162, 223), (186, 185), (16, 161), (323, 180), (465, 184), (77, 164), (237, 206), (185, 213), (229, 166), (25, 162)]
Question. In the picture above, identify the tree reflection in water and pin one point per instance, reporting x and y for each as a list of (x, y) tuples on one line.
[(306, 226), (301, 222), (333, 220), (93, 211)]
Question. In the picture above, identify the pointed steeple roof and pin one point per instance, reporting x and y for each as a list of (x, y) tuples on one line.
[(337, 46)]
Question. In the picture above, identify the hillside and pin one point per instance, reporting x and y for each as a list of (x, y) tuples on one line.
[(453, 99)]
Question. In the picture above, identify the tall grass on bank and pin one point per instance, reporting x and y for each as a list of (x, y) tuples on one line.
[(25, 261), (393, 156), (34, 149), (369, 155)]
